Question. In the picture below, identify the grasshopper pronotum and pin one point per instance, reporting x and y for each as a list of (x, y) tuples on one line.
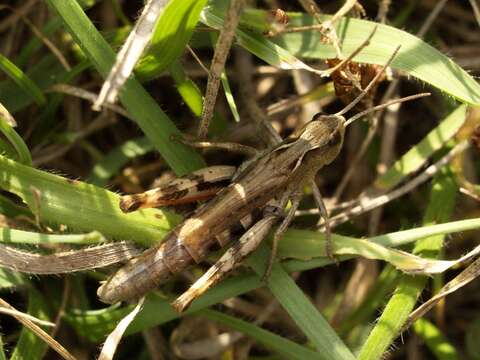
[(278, 174)]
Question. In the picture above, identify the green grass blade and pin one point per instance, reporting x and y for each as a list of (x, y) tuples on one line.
[(384, 286), (226, 86), (44, 73), (193, 97), (95, 324), (172, 33), (22, 80), (11, 279), (305, 244), (8, 235), (29, 345), (442, 199), (187, 89), (21, 149), (418, 155), (416, 57), (116, 159), (282, 346), (435, 340), (81, 206), (154, 122), (2, 351), (300, 308)]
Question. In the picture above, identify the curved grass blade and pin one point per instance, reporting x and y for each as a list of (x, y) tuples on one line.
[(8, 235), (21, 149), (282, 346), (414, 158), (81, 206), (22, 80), (299, 307), (44, 73), (416, 57), (442, 199), (118, 157), (435, 340), (172, 33)]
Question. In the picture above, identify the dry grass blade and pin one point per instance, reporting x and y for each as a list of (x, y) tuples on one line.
[(7, 116), (462, 279), (21, 11), (87, 95), (366, 203), (16, 314), (350, 57), (111, 344), (222, 49), (476, 10), (130, 52), (370, 85), (25, 320), (45, 40), (66, 262)]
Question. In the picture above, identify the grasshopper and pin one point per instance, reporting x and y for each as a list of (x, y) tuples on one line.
[(267, 183)]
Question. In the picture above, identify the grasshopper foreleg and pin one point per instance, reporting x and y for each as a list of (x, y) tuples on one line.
[(229, 146), (295, 198), (326, 221)]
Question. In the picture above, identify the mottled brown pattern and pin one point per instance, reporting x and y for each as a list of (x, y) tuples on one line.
[(288, 166)]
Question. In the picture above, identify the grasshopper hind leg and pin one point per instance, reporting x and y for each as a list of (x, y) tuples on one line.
[(232, 257), (199, 185)]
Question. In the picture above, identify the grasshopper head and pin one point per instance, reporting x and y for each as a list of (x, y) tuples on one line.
[(324, 134)]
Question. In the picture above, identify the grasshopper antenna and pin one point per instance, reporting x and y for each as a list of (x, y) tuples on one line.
[(384, 105), (370, 85), (350, 57)]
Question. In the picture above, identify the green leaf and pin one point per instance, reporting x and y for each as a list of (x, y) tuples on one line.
[(21, 149), (187, 89), (442, 200), (282, 346), (81, 206), (117, 158), (22, 80), (300, 308), (415, 58), (29, 345), (435, 340), (8, 235), (172, 33)]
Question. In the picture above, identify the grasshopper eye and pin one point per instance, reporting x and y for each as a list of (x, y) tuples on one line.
[(319, 116)]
